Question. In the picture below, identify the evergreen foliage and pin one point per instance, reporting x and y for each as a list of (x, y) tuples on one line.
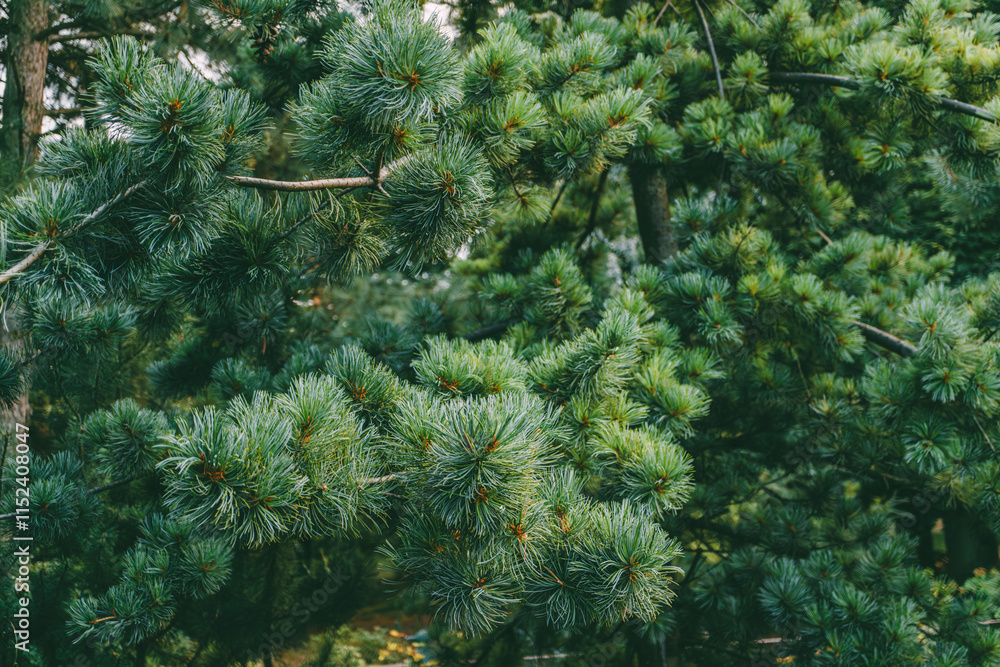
[(746, 428)]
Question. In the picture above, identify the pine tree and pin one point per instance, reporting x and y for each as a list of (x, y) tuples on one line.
[(772, 209), (142, 231), (749, 434)]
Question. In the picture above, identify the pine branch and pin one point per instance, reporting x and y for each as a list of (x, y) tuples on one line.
[(194, 65), (513, 184), (744, 12), (99, 34), (379, 161), (967, 109), (26, 262), (490, 331), (53, 29), (71, 111), (30, 359), (886, 340), (376, 480), (44, 245), (871, 334), (820, 79), (307, 217), (779, 640), (555, 202), (93, 492), (659, 15), (112, 485), (321, 184), (303, 186), (594, 205), (844, 82), (711, 49)]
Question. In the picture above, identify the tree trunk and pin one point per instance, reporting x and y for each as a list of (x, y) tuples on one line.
[(473, 15), (20, 126), (24, 90), (644, 653), (652, 212), (674, 657), (970, 544), (924, 530)]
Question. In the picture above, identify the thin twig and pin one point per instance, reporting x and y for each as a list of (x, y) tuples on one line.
[(71, 111), (711, 49), (194, 65), (97, 34), (361, 164), (983, 431), (659, 15), (42, 35), (489, 331), (27, 361), (112, 485), (513, 184), (749, 18), (594, 205), (26, 262), (308, 216), (376, 480), (302, 186), (823, 235), (805, 383), (809, 77), (555, 202), (321, 184), (886, 340), (844, 82)]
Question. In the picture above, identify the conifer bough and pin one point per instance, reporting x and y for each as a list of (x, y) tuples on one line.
[(37, 251), (844, 82), (319, 184), (492, 522)]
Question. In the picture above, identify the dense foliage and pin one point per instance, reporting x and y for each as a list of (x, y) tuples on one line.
[(688, 337)]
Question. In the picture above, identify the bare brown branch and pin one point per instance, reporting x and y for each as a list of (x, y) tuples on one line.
[(320, 184), (98, 34), (886, 340)]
